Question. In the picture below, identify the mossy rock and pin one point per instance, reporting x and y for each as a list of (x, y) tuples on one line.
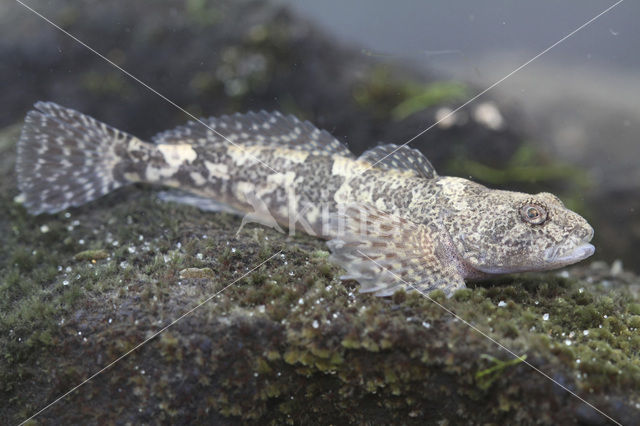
[(288, 342)]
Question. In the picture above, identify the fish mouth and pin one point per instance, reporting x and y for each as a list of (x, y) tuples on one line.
[(579, 253), (552, 260)]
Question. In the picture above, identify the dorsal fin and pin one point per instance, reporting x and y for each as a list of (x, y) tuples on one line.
[(400, 158), (256, 128)]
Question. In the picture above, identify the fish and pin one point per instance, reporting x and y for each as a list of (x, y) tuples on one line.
[(390, 221)]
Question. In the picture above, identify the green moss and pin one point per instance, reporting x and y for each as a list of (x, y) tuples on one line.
[(485, 378), (91, 255), (534, 170), (390, 97), (633, 322), (634, 308), (463, 295), (290, 339), (420, 97), (196, 273)]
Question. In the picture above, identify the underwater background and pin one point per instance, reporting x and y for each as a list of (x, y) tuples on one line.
[(291, 342)]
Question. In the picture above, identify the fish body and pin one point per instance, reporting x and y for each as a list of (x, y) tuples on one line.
[(390, 220)]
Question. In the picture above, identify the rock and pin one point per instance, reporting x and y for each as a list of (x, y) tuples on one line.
[(290, 341)]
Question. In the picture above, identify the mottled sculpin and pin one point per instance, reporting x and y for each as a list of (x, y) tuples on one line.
[(391, 221)]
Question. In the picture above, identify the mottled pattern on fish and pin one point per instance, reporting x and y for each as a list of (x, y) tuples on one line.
[(391, 221)]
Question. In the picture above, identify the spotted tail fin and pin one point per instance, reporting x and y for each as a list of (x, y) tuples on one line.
[(66, 159)]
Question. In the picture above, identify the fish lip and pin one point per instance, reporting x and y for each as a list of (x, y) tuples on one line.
[(551, 261), (579, 253)]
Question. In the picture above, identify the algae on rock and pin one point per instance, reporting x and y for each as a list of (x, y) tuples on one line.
[(289, 342)]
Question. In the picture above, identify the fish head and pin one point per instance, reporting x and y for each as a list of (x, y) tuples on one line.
[(497, 232)]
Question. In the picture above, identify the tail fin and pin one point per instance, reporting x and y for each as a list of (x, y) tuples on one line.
[(66, 159)]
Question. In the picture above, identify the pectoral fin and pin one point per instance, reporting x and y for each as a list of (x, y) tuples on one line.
[(385, 253)]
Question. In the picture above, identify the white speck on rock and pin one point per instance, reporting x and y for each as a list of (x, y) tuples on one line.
[(545, 317), (502, 303)]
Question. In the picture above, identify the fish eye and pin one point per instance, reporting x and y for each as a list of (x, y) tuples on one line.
[(533, 214)]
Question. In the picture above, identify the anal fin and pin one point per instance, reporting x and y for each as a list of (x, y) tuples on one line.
[(203, 203), (385, 253)]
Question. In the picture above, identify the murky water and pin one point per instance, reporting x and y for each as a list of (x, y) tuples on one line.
[(535, 97)]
